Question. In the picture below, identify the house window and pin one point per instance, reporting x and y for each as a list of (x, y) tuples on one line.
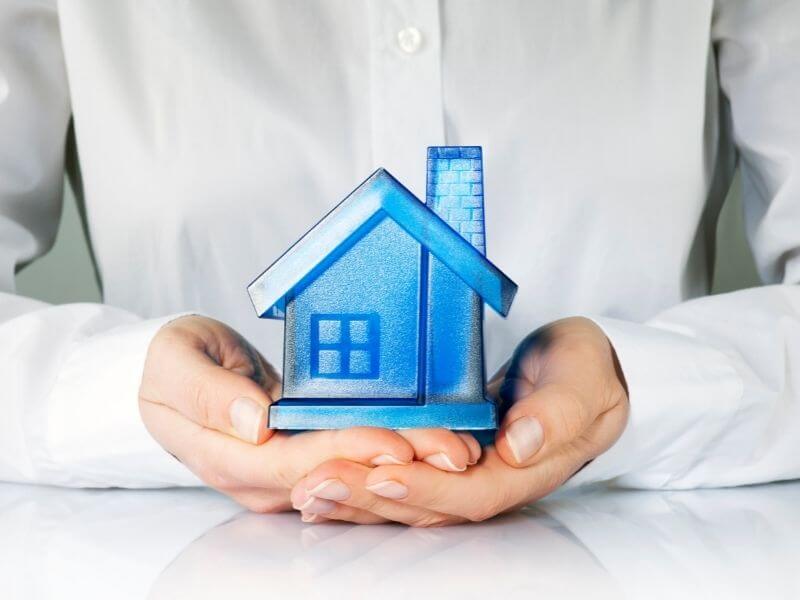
[(345, 346)]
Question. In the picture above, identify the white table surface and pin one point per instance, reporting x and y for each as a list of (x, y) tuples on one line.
[(730, 543)]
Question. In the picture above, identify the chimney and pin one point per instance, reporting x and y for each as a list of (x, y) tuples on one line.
[(455, 190)]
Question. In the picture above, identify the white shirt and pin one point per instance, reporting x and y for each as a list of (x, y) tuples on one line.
[(210, 136)]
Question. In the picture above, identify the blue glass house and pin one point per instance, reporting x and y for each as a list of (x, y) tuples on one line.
[(383, 304)]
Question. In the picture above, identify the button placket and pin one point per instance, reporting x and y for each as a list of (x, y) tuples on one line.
[(405, 87)]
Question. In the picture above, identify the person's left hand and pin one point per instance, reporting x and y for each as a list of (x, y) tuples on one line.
[(567, 403), (205, 396)]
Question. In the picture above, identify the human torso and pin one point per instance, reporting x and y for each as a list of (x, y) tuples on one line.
[(211, 136)]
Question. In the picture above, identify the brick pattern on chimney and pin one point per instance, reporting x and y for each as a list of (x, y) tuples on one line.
[(455, 190)]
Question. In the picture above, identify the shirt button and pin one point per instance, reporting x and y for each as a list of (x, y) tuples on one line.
[(409, 40)]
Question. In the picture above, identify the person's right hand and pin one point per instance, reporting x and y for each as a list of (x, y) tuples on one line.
[(205, 396)]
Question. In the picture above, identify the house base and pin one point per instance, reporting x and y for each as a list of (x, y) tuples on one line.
[(339, 413)]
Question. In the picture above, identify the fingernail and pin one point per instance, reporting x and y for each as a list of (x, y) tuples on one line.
[(525, 436), (308, 517), (387, 459), (248, 417), (330, 489), (389, 489), (317, 506), (442, 462)]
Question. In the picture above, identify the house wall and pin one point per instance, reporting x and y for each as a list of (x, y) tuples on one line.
[(378, 275), (454, 365), (454, 356)]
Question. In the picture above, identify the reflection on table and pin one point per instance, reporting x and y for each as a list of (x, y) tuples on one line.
[(732, 543)]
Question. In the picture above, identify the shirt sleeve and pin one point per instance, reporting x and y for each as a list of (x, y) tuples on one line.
[(69, 374), (715, 382)]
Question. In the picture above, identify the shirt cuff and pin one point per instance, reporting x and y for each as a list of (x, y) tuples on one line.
[(92, 432), (680, 390)]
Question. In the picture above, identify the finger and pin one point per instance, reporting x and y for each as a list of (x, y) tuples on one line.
[(473, 446), (364, 445), (210, 455), (481, 492), (312, 518), (318, 509), (338, 490), (348, 515), (226, 463), (229, 401), (441, 448), (543, 420), (491, 487)]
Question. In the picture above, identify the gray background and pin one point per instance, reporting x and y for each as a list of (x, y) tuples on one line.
[(65, 274)]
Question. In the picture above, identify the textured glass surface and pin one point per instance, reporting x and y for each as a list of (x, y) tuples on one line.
[(454, 310), (455, 190), (329, 364), (329, 331), (380, 196), (367, 290), (382, 302), (360, 331), (335, 354)]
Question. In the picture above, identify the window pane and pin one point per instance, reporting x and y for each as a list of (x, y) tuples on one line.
[(360, 362), (359, 331), (330, 362), (330, 332)]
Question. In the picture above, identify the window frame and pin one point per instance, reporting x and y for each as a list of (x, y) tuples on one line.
[(345, 345)]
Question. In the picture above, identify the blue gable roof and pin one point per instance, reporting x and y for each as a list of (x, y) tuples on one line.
[(380, 196)]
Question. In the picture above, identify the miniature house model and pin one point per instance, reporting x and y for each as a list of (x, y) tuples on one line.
[(383, 306)]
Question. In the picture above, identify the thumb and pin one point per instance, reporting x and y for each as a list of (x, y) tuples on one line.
[(543, 419), (234, 399), (229, 402)]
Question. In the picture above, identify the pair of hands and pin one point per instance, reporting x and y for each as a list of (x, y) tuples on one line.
[(206, 392)]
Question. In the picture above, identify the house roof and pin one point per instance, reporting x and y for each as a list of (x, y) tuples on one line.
[(380, 196)]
